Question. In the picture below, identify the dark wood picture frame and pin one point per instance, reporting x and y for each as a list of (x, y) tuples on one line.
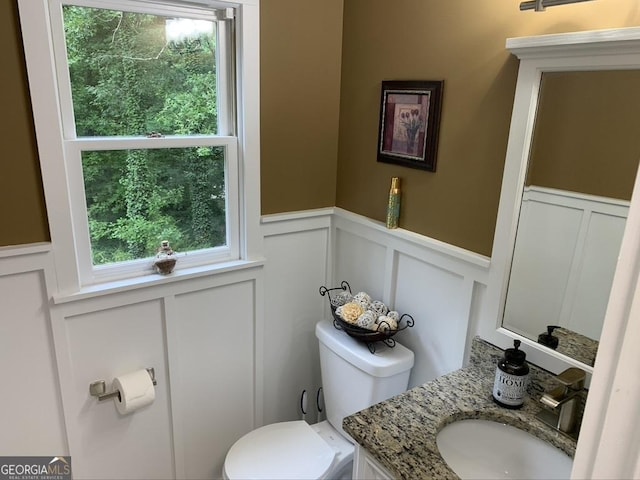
[(410, 122)]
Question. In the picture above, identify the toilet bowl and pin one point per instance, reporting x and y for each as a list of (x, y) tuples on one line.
[(353, 379), (290, 450)]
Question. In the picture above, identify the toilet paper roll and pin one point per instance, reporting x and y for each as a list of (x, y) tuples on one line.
[(136, 391)]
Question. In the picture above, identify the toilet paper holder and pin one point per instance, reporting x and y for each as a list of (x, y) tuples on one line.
[(99, 387)]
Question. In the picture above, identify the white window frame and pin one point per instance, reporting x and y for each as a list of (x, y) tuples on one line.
[(59, 149)]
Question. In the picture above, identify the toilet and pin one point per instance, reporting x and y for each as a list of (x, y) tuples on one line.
[(352, 379)]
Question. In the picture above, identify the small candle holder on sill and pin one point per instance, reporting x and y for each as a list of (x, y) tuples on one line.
[(165, 259)]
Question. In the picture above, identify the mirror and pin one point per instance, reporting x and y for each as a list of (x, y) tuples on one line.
[(544, 60), (582, 164)]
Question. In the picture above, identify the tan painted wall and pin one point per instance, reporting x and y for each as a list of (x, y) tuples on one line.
[(301, 42), (21, 200), (461, 42), (586, 134)]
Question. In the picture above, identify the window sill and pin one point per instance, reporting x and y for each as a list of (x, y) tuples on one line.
[(152, 280)]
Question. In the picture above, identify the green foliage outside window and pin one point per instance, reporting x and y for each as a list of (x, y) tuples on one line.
[(128, 80)]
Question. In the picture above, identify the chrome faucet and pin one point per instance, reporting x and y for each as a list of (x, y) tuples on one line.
[(563, 402)]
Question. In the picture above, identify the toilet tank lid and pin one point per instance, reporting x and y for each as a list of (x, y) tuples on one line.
[(385, 362)]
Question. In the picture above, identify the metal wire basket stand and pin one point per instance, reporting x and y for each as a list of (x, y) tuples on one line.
[(369, 337)]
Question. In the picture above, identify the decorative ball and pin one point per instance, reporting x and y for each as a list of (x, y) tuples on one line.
[(363, 299), (341, 298), (386, 324), (350, 312), (378, 307), (367, 320), (393, 314)]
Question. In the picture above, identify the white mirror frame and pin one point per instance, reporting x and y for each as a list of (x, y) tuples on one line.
[(617, 49)]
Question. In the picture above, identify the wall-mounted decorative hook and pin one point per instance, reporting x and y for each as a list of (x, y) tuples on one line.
[(98, 388)]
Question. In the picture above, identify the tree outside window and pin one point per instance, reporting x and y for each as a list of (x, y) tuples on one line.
[(135, 74)]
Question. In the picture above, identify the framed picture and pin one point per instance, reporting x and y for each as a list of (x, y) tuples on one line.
[(409, 123)]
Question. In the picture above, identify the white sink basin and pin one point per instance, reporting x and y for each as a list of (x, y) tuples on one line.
[(476, 449)]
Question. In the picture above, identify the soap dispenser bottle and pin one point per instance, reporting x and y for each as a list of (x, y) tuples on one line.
[(548, 339), (512, 378)]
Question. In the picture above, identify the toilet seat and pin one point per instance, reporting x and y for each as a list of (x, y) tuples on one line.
[(287, 450)]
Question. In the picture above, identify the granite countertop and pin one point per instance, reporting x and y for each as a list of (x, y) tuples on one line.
[(574, 345), (401, 432)]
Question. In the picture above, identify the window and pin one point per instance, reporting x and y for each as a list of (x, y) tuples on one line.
[(150, 143)]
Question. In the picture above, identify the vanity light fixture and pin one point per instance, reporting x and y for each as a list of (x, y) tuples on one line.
[(541, 5)]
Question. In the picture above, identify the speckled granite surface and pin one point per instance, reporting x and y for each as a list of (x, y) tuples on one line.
[(574, 345), (401, 432)]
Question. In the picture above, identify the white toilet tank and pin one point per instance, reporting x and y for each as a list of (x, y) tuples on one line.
[(353, 378)]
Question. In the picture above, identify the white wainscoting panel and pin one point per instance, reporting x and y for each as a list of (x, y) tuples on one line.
[(565, 256), (297, 250), (595, 277), (30, 404), (360, 261), (200, 336), (102, 345), (213, 372), (438, 284), (439, 303), (541, 266)]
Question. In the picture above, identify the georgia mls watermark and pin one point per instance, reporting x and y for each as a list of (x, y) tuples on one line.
[(35, 468)]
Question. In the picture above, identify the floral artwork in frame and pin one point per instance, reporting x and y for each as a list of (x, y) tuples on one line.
[(409, 123)]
